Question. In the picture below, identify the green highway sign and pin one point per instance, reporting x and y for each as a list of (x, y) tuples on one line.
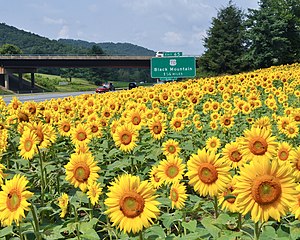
[(173, 67), (172, 54)]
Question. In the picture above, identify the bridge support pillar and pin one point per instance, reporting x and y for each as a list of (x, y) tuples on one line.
[(20, 81), (6, 81), (32, 80)]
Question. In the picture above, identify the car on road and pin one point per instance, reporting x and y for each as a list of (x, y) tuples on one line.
[(106, 87), (132, 85), (102, 89)]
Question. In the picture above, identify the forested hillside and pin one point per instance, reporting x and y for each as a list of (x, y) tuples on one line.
[(110, 48), (30, 43)]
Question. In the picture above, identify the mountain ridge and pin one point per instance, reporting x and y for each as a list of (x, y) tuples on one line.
[(32, 43)]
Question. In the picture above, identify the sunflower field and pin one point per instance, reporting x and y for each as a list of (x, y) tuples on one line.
[(209, 158)]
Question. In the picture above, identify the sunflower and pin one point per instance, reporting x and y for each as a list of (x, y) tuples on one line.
[(295, 163), (13, 200), (131, 203), (258, 144), (284, 152), (28, 144), (266, 189), (136, 118), (64, 127), (227, 121), (178, 195), (227, 200), (46, 133), (81, 134), (154, 179), (207, 173), (263, 122), (82, 170), (295, 208), (171, 169), (177, 124), (94, 191), (63, 202), (171, 147), (292, 130), (157, 128), (232, 155), (96, 128), (125, 137), (283, 122), (213, 143)]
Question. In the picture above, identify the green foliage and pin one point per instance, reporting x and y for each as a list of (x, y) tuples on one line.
[(273, 33), (224, 42), (10, 49)]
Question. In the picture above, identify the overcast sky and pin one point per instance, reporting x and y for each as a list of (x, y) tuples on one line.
[(169, 25)]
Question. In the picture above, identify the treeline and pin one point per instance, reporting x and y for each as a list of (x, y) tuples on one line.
[(16, 41), (238, 41)]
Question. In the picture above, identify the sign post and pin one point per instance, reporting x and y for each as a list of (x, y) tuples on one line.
[(173, 67)]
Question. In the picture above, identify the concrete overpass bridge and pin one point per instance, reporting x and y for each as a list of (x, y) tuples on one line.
[(21, 64)]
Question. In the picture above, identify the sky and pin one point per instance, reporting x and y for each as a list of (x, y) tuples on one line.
[(158, 25)]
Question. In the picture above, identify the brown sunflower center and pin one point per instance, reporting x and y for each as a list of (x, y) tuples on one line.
[(23, 117), (28, 145), (66, 128), (172, 171), (207, 173), (157, 128), (229, 192), (174, 195), (213, 144), (227, 122), (136, 120), (291, 130), (106, 114), (82, 173), (258, 146), (126, 138), (171, 149), (132, 204), (235, 156), (177, 124), (266, 189), (297, 118), (94, 129), (81, 136), (13, 200), (283, 154)]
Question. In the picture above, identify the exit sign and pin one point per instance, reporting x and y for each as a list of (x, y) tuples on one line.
[(172, 54), (173, 67)]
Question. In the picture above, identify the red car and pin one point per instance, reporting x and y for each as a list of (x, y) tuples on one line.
[(102, 89)]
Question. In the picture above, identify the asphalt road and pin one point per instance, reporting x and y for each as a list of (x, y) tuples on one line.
[(39, 97)]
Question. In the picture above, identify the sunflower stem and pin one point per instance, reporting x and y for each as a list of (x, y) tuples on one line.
[(35, 223), (141, 235), (91, 210), (42, 177), (20, 231), (76, 220), (239, 221), (256, 231), (216, 206)]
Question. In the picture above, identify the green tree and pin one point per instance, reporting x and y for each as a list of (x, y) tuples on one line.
[(273, 31), (225, 42), (10, 49)]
